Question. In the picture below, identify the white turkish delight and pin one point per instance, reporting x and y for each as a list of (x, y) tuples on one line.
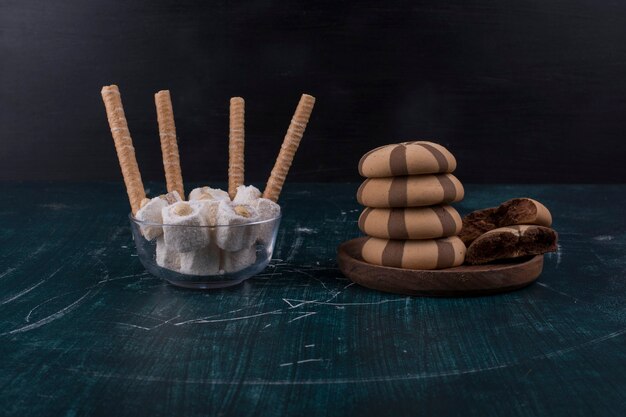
[(208, 193), (236, 261), (266, 210), (232, 233), (166, 257), (184, 227), (151, 212), (246, 195), (204, 261)]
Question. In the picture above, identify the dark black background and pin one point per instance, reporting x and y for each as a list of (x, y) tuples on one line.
[(520, 91)]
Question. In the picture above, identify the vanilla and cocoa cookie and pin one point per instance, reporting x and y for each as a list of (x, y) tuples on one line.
[(410, 223), (511, 242), (407, 158), (410, 191), (512, 212), (414, 254)]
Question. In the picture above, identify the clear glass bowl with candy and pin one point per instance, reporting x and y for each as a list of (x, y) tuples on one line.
[(208, 241)]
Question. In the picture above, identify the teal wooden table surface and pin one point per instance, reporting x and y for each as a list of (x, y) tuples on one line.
[(86, 331)]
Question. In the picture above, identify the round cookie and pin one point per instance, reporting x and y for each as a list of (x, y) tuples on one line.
[(411, 191), (407, 158), (414, 254), (410, 223), (511, 212), (512, 242)]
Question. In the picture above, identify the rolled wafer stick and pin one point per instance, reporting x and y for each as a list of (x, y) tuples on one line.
[(236, 145), (123, 146), (289, 147), (169, 146)]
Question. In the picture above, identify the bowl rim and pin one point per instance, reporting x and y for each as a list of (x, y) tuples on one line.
[(258, 222)]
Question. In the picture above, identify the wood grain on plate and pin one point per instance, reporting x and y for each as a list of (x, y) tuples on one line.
[(460, 281)]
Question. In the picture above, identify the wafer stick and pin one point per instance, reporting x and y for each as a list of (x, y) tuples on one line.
[(123, 146), (169, 146), (236, 145), (289, 147)]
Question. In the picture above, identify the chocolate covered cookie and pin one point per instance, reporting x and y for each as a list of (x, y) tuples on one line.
[(512, 212), (511, 242), (414, 254), (407, 158), (410, 223), (410, 191)]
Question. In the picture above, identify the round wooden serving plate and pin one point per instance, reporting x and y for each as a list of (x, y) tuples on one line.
[(460, 281)]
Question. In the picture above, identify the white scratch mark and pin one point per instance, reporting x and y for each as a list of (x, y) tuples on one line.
[(133, 325), (267, 325), (345, 304), (604, 237), (7, 272), (203, 320), (308, 346), (305, 230), (123, 277), (29, 289), (295, 248), (342, 381), (286, 364), (55, 206), (50, 318), (585, 344), (307, 314), (310, 360), (21, 293), (558, 255), (292, 304), (557, 291), (349, 285)]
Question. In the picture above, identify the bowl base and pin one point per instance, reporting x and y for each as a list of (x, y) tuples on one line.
[(200, 285)]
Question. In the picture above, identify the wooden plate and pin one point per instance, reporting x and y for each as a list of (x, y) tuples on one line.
[(451, 282)]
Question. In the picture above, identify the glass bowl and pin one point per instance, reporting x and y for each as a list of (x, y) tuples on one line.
[(192, 256)]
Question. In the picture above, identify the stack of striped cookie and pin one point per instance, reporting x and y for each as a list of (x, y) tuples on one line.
[(407, 215)]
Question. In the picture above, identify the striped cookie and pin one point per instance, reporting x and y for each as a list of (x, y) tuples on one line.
[(407, 158), (512, 242), (411, 191), (410, 223), (414, 254)]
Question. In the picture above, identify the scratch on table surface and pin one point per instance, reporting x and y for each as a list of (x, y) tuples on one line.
[(28, 257), (305, 230), (306, 314), (308, 346), (310, 360), (21, 293), (141, 274), (203, 320), (29, 289), (132, 325), (348, 304), (541, 284), (299, 302), (582, 345), (50, 318), (32, 310), (7, 272), (604, 237), (162, 322), (375, 379), (295, 247), (55, 206)]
